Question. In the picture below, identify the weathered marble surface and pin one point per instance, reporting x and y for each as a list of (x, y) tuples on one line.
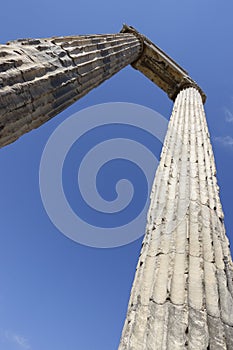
[(182, 295), (41, 77), (157, 66)]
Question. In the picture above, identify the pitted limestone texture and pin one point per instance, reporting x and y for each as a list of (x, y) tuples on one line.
[(182, 292), (41, 77)]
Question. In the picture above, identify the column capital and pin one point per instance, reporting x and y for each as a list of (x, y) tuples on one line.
[(160, 68)]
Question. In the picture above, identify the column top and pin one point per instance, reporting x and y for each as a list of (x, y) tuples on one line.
[(156, 65)]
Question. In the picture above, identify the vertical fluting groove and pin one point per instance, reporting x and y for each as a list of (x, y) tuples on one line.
[(41, 77), (182, 291)]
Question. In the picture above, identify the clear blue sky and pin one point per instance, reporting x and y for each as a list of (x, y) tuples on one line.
[(57, 294)]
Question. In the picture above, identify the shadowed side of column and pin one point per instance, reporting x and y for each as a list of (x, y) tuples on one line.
[(41, 77)]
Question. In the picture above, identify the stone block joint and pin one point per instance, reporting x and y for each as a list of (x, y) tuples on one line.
[(156, 65)]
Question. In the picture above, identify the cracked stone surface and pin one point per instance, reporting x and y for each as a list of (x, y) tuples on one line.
[(182, 294), (41, 77), (157, 66)]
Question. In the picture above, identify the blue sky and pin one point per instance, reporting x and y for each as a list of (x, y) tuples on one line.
[(57, 294)]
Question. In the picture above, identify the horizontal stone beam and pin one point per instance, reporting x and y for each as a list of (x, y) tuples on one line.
[(161, 69), (39, 78)]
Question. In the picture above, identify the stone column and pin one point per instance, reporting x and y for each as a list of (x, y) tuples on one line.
[(182, 294), (41, 77)]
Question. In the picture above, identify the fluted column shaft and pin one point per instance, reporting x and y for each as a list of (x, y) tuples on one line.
[(182, 294), (41, 77)]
